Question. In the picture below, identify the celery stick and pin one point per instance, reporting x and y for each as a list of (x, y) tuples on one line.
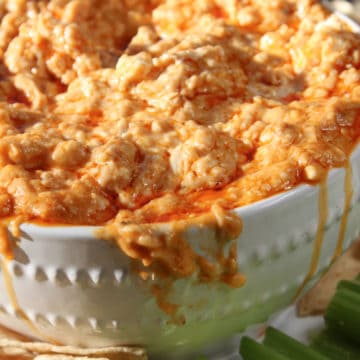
[(335, 346), (350, 285), (343, 314), (252, 350), (290, 347)]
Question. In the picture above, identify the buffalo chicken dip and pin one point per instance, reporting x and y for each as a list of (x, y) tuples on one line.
[(146, 117)]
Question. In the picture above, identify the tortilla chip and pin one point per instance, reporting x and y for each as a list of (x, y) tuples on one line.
[(347, 267), (65, 357), (17, 347)]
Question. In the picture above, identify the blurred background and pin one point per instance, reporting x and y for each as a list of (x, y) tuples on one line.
[(351, 8)]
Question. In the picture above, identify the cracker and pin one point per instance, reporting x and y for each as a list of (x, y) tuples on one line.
[(16, 347), (316, 300), (65, 357)]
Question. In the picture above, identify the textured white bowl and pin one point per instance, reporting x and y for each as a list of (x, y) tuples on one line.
[(80, 290)]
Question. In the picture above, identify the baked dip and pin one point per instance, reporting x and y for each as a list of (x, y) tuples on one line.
[(149, 117)]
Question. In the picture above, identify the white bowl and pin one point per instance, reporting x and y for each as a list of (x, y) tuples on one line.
[(79, 290)]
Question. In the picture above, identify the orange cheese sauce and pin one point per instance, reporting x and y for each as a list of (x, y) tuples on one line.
[(319, 239), (132, 113), (348, 190)]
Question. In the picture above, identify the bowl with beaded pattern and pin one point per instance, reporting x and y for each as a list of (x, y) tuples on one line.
[(67, 286)]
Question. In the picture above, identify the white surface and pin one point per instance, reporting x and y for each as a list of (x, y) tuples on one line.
[(302, 329)]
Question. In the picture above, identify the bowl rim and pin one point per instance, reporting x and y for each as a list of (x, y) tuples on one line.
[(78, 232), (86, 232)]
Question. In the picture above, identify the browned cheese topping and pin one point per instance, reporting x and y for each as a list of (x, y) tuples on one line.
[(134, 114)]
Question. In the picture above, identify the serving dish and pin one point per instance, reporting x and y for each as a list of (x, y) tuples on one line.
[(88, 294)]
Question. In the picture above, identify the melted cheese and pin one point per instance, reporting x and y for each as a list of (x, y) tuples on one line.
[(319, 239), (133, 114), (348, 190)]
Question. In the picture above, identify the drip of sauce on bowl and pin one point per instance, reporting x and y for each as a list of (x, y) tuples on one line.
[(323, 215), (348, 189), (5, 243), (4, 264), (6, 250), (167, 256)]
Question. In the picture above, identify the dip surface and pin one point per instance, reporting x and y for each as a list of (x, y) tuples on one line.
[(139, 112)]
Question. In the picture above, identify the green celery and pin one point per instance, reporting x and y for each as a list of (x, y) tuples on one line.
[(290, 347), (252, 350), (335, 346), (350, 285), (343, 313)]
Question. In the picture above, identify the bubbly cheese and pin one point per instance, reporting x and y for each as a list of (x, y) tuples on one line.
[(128, 113)]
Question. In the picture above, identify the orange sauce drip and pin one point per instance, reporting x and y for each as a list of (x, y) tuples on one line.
[(323, 215), (161, 294), (348, 189), (12, 295), (6, 250), (5, 243)]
